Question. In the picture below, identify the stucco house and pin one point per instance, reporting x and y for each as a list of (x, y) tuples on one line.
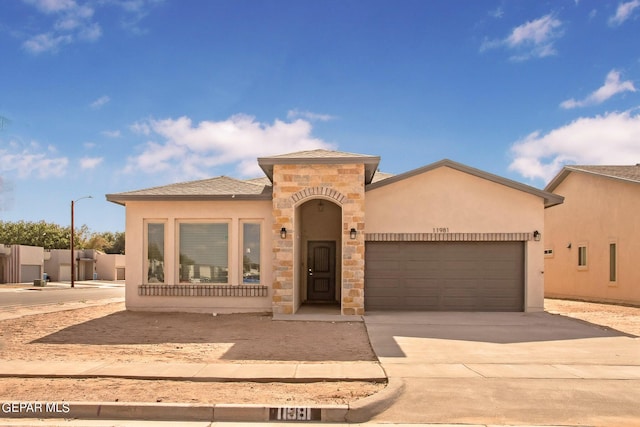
[(326, 227), (592, 240), (89, 263), (21, 263)]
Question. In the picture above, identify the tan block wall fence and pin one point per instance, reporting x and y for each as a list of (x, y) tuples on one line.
[(296, 184)]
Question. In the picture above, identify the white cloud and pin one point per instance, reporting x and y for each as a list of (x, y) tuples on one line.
[(534, 39), (31, 160), (624, 12), (497, 13), (112, 133), (90, 32), (192, 151), (141, 128), (52, 6), (295, 113), (604, 139), (100, 102), (90, 162), (46, 43), (612, 86), (73, 22)]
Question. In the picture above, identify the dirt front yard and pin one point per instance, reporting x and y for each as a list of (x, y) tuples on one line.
[(110, 333)]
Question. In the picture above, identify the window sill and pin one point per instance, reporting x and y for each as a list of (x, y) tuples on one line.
[(203, 290)]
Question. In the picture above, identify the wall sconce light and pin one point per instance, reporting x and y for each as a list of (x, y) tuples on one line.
[(283, 233), (569, 245), (536, 235), (352, 233)]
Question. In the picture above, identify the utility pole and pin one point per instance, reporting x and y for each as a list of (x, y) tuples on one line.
[(73, 257)]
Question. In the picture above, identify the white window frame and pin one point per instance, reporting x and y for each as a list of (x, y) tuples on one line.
[(585, 266), (616, 260), (242, 222), (145, 255), (177, 247)]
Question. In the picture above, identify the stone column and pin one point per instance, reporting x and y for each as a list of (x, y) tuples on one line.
[(295, 184)]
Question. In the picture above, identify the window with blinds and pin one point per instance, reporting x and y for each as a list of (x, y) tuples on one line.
[(155, 253), (204, 253), (250, 253)]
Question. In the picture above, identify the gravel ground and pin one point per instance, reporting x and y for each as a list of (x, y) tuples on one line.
[(619, 317)]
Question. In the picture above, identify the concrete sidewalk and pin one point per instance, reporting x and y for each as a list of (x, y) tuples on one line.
[(360, 410), (256, 372)]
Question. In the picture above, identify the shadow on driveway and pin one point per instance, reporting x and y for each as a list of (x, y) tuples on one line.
[(441, 334)]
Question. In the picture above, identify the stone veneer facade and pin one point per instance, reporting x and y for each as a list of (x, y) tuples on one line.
[(293, 185)]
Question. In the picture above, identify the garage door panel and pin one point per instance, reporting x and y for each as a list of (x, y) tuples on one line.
[(419, 303), (487, 276)]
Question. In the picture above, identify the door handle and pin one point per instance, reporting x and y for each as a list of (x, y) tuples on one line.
[(310, 272)]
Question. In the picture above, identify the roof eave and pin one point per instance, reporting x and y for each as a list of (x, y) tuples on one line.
[(562, 175), (121, 199), (370, 162)]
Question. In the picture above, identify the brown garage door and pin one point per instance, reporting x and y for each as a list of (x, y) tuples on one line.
[(444, 276)]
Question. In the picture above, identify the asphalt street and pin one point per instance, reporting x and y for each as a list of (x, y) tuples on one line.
[(28, 297)]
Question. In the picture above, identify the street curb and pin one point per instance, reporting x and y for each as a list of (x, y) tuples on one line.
[(359, 411), (364, 409), (173, 411)]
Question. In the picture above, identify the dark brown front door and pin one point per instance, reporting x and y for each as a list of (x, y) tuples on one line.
[(321, 271)]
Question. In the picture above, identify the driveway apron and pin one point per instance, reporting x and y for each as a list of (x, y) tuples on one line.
[(507, 368)]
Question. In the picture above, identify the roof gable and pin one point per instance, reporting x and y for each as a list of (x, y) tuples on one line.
[(549, 198), (628, 173), (321, 157)]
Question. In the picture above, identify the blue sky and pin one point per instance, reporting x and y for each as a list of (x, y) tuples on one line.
[(106, 96)]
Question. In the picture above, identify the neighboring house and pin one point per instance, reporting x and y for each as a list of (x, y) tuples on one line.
[(58, 267), (110, 266), (21, 264), (592, 241), (326, 227)]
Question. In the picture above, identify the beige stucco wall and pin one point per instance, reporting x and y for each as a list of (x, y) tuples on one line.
[(58, 266), (232, 212), (597, 211), (107, 265), (22, 255), (462, 203)]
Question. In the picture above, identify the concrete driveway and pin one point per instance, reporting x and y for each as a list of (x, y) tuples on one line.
[(507, 368)]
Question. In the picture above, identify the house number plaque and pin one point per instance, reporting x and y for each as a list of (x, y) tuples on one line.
[(294, 414)]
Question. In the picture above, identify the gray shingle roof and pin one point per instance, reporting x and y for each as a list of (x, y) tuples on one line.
[(221, 187), (629, 173), (379, 176), (317, 154)]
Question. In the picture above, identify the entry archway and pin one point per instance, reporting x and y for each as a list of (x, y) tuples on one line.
[(319, 250)]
